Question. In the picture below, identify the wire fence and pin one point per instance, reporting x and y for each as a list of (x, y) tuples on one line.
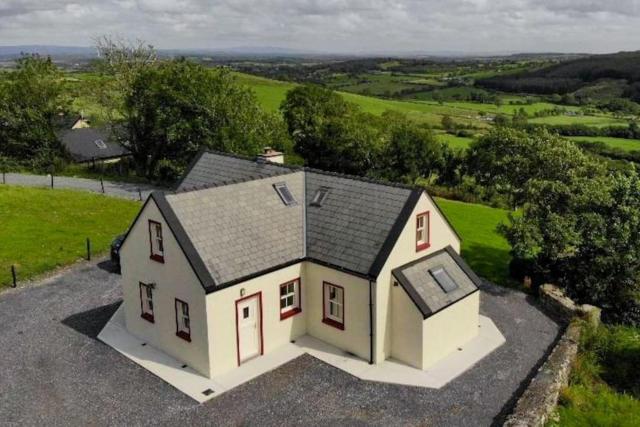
[(15, 273), (125, 190)]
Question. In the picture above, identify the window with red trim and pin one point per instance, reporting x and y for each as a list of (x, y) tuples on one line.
[(183, 323), (290, 299), (146, 301), (155, 241), (333, 308), (422, 231)]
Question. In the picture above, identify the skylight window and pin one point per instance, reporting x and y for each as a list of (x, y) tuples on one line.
[(319, 197), (284, 193), (444, 280), (100, 144)]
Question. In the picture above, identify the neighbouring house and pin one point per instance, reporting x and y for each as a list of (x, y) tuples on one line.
[(248, 255), (91, 145)]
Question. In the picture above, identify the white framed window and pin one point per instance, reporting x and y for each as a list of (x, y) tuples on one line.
[(333, 309), (290, 299), (146, 301), (422, 231), (183, 322), (155, 241)]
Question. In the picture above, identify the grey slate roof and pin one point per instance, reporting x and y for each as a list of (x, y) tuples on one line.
[(217, 169), (243, 228), (232, 224), (423, 289), (80, 143), (354, 221)]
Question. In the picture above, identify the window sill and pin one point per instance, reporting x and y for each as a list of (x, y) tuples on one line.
[(148, 317), (185, 336), (290, 313), (423, 247), (333, 323), (158, 258)]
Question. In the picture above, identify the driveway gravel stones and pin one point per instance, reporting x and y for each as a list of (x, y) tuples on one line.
[(54, 371)]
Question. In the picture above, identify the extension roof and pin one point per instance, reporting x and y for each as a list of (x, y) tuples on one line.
[(233, 225), (417, 279), (81, 144)]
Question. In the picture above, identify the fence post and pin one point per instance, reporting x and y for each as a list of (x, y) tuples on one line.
[(4, 178), (139, 194), (88, 249), (102, 185), (13, 275)]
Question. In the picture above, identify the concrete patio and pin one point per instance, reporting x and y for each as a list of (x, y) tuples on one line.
[(201, 388)]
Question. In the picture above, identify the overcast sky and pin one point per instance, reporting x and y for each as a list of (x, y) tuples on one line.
[(347, 26)]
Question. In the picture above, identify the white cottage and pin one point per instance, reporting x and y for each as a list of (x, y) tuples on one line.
[(246, 256)]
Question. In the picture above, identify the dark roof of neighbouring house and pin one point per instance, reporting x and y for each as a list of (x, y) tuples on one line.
[(83, 144), (229, 219), (65, 121), (417, 279)]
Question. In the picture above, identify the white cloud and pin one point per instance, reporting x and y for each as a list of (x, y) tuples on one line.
[(333, 25)]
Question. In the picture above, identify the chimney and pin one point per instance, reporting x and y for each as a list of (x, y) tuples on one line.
[(270, 155)]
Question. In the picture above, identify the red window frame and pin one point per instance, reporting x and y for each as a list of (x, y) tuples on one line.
[(326, 320), (427, 229), (182, 334), (152, 227), (298, 294), (145, 315)]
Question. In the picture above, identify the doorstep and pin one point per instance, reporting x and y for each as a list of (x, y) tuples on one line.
[(202, 389)]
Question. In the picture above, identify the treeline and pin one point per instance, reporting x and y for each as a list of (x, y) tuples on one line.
[(632, 131), (570, 76)]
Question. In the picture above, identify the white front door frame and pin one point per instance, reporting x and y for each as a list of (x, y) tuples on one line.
[(249, 336)]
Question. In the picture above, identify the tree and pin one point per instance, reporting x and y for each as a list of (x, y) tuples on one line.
[(177, 107), (506, 159), (306, 110), (30, 99), (447, 123), (583, 233), (122, 60), (411, 152)]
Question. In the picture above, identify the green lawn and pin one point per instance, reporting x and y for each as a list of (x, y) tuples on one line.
[(486, 251), (619, 143), (43, 229)]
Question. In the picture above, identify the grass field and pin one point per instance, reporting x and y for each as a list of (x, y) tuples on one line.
[(619, 143), (486, 251), (43, 229), (596, 121), (604, 388), (455, 142)]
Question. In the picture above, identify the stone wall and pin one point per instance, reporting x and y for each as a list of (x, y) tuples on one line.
[(540, 397)]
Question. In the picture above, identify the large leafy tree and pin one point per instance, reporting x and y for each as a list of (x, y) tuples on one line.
[(411, 151), (176, 107), (30, 98), (506, 159), (583, 233)]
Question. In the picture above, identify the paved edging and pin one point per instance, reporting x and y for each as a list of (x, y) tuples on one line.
[(110, 188)]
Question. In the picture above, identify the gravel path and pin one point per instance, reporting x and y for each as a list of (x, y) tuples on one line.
[(117, 189), (53, 371)]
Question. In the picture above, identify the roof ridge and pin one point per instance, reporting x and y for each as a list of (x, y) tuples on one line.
[(232, 182), (319, 171), (364, 179), (252, 159)]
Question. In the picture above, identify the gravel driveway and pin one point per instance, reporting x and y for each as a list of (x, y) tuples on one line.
[(53, 371)]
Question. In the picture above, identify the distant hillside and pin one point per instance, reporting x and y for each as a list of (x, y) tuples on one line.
[(570, 76)]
